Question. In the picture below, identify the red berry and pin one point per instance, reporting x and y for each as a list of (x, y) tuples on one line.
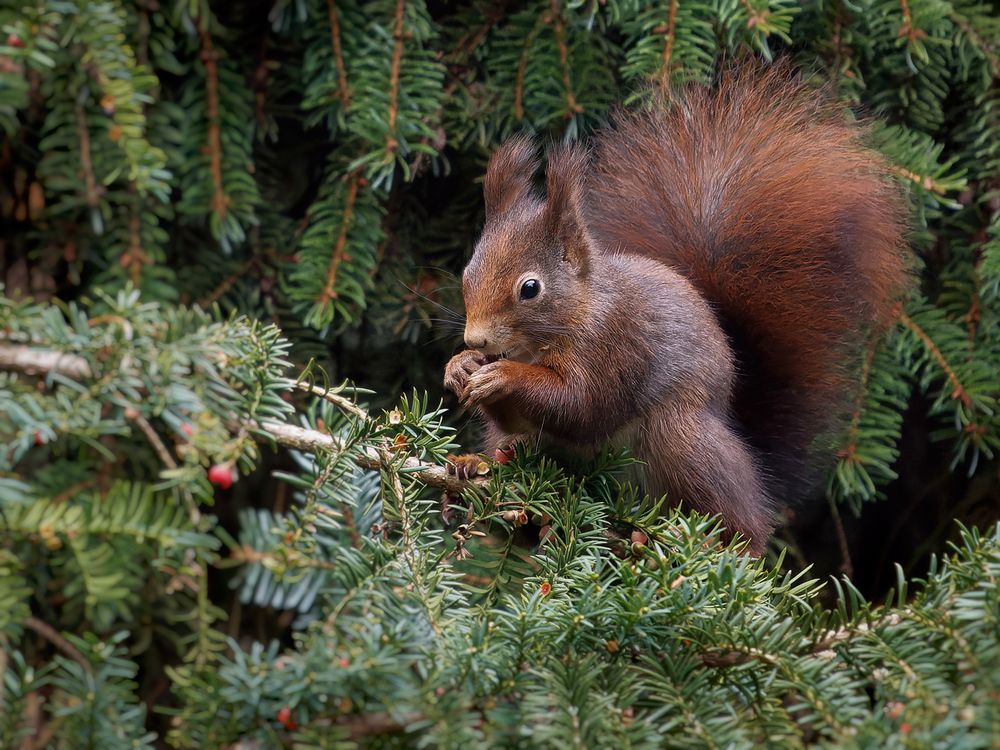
[(344, 662), (187, 429), (904, 728), (221, 476), (13, 40), (285, 718), (505, 456), (39, 440)]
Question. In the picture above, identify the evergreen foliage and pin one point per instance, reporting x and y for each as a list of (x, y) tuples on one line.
[(213, 205)]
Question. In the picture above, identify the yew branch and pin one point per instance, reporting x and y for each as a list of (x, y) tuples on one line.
[(35, 361)]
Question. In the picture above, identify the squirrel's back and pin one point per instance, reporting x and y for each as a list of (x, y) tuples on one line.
[(760, 192)]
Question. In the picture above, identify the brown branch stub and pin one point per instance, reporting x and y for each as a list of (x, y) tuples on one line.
[(926, 182), (397, 62), (220, 201), (343, 90), (337, 257), (757, 17), (907, 29), (958, 390)]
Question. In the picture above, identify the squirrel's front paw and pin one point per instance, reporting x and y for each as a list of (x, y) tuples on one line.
[(488, 384), (459, 368)]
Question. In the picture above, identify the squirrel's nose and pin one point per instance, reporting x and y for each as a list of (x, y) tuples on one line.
[(476, 339), (476, 342)]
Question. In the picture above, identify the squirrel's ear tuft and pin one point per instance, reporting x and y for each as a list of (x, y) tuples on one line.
[(564, 215), (509, 175)]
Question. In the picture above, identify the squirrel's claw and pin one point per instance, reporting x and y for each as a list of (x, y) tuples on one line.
[(487, 385), (467, 465)]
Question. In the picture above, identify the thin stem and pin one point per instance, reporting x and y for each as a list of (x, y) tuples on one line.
[(846, 564), (668, 44), (343, 91), (86, 162), (220, 201), (572, 107), (50, 634), (958, 390), (397, 61), (329, 290)]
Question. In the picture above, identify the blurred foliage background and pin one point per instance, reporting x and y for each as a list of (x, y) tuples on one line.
[(315, 165)]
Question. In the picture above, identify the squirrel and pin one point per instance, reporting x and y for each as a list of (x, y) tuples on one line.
[(697, 286)]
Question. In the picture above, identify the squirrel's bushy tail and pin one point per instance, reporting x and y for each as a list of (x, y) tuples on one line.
[(761, 193)]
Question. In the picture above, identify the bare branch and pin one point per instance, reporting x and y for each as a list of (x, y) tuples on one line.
[(41, 362), (312, 441)]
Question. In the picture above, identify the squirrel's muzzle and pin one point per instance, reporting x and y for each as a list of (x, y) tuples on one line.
[(477, 338)]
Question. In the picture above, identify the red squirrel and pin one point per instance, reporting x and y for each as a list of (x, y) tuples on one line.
[(697, 286)]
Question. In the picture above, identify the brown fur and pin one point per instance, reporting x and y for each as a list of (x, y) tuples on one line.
[(706, 279)]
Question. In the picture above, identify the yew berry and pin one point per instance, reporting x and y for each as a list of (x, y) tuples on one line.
[(504, 456), (285, 718), (221, 476)]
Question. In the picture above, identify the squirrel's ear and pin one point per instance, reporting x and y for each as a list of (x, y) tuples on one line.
[(564, 215), (509, 174)]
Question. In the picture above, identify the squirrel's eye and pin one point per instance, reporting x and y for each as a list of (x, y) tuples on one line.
[(530, 288)]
